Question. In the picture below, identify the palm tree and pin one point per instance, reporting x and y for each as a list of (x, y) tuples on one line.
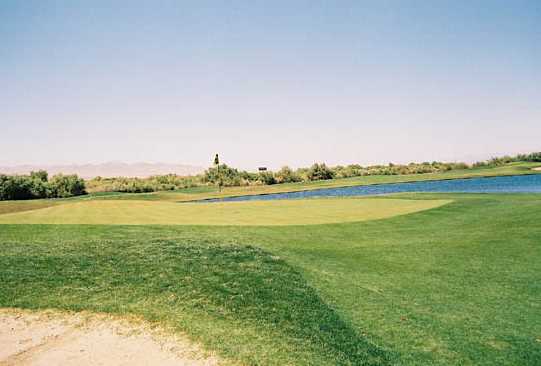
[(217, 164)]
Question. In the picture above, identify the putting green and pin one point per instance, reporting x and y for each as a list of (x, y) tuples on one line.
[(286, 212)]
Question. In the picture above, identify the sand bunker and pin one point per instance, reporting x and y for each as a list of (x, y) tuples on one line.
[(48, 338), (538, 168)]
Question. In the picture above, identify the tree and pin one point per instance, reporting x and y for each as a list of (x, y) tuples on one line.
[(217, 165), (223, 175), (286, 175), (16, 187), (41, 175), (267, 178), (36, 185), (320, 172), (67, 186)]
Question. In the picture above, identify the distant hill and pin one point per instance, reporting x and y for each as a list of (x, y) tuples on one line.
[(106, 170)]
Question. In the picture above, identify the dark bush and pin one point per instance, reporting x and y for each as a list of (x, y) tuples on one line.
[(320, 172), (67, 186), (267, 178), (287, 175), (37, 185)]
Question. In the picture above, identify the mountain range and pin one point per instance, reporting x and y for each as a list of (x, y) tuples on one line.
[(107, 170)]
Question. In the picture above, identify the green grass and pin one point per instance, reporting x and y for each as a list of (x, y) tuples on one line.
[(247, 303), (21, 206), (455, 285), (291, 212)]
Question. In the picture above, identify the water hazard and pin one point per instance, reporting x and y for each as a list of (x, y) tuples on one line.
[(508, 184)]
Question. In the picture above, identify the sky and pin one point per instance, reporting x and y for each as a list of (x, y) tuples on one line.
[(268, 83)]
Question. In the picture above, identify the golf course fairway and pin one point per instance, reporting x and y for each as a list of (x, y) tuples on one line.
[(457, 284)]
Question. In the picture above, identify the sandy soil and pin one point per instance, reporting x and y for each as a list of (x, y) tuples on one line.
[(538, 168), (50, 338)]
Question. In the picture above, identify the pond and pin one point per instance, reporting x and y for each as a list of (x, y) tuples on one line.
[(506, 184)]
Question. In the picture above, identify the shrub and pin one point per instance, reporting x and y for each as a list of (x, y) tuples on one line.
[(287, 175), (533, 157), (267, 178), (226, 176), (67, 186), (40, 175), (37, 185), (320, 172), (16, 188)]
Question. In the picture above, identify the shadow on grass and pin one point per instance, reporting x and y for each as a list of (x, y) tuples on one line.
[(235, 286)]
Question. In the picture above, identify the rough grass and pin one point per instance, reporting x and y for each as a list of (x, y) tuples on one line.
[(249, 304), (292, 212)]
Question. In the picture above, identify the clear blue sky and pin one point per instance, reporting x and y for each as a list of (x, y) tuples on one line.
[(268, 82)]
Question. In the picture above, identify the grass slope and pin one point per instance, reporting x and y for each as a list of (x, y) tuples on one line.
[(455, 285), (241, 300), (21, 206), (292, 212)]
